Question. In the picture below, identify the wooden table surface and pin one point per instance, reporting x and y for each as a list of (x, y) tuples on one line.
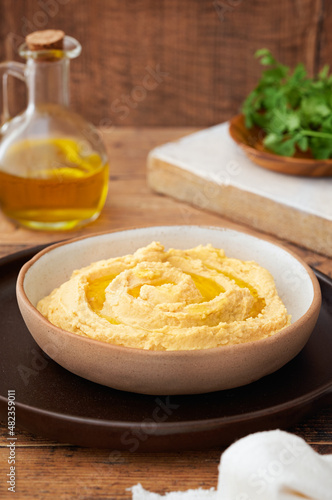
[(46, 469)]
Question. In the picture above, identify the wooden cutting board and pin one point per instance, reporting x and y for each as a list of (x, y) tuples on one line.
[(208, 170)]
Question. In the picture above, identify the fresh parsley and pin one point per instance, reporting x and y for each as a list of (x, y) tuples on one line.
[(294, 111)]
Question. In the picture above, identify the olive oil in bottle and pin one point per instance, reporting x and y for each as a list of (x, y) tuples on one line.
[(60, 187), (53, 164)]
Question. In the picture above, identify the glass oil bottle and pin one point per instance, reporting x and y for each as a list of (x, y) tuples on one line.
[(53, 164)]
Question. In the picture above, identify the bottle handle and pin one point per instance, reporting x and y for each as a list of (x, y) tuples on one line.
[(17, 70)]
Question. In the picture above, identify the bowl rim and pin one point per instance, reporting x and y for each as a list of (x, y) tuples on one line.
[(312, 309), (270, 155)]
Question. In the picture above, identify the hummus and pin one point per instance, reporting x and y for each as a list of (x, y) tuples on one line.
[(169, 300)]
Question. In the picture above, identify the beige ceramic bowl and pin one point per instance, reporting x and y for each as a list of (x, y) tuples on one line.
[(169, 372)]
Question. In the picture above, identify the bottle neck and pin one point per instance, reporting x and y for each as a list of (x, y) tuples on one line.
[(48, 82)]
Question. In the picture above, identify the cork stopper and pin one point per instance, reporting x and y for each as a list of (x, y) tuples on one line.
[(45, 40)]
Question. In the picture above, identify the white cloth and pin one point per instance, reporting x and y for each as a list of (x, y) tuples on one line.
[(272, 465)]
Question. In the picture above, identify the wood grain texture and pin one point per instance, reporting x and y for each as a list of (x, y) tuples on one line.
[(202, 51), (324, 38), (49, 470)]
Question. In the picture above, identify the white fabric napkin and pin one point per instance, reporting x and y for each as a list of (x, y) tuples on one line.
[(272, 465)]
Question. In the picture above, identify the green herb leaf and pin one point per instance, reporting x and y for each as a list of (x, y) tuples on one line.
[(294, 110), (302, 143)]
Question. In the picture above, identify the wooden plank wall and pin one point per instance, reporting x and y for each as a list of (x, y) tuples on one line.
[(170, 62)]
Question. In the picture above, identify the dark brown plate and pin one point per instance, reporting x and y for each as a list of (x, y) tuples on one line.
[(54, 403), (251, 141)]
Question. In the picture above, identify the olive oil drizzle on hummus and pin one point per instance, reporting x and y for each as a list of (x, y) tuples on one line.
[(135, 291), (95, 294), (259, 303), (209, 289), (169, 300)]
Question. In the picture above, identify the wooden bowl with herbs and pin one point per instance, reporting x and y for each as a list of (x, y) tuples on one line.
[(286, 125)]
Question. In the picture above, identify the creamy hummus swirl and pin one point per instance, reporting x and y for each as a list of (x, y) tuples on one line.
[(169, 300)]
